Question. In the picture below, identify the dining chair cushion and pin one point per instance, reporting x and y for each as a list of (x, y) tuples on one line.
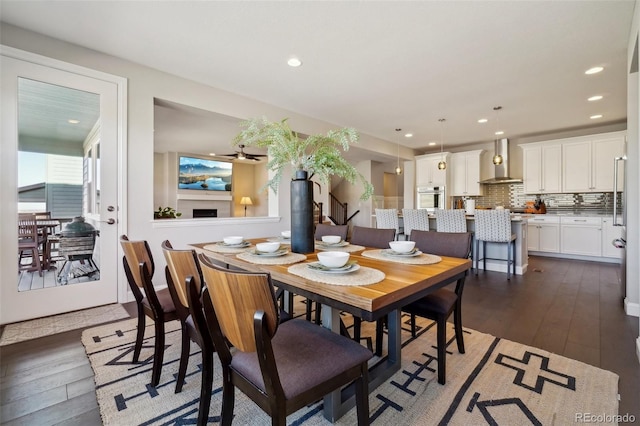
[(439, 302), (297, 345), (164, 297), (372, 237), (323, 229), (452, 244)]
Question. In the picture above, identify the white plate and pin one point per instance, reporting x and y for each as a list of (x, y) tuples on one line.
[(342, 270), (277, 253), (389, 252), (241, 245), (342, 243)]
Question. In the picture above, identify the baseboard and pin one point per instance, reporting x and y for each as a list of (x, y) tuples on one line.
[(632, 309)]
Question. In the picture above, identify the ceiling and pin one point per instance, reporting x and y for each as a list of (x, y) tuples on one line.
[(375, 66)]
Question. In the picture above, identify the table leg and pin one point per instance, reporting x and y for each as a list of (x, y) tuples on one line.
[(333, 408)]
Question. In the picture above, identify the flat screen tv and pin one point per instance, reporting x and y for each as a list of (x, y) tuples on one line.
[(204, 175)]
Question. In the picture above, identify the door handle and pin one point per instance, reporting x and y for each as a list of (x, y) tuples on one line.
[(110, 221)]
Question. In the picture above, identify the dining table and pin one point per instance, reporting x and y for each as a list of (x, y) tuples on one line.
[(391, 283)]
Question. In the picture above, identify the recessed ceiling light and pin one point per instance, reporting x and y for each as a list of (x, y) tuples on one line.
[(482, 120), (595, 117), (72, 121), (408, 135), (432, 143), (294, 62), (213, 154), (594, 70), (499, 132), (595, 98)]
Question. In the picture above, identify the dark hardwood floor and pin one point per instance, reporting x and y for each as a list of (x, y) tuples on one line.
[(572, 308)]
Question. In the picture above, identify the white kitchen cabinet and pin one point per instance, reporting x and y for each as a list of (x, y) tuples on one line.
[(587, 162), (542, 168), (581, 235), (610, 233), (544, 234), (465, 173), (427, 172)]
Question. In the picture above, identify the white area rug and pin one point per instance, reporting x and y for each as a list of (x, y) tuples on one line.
[(496, 382), (32, 329)]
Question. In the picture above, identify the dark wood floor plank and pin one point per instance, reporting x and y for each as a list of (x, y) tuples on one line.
[(38, 401), (82, 386), (88, 418), (59, 413)]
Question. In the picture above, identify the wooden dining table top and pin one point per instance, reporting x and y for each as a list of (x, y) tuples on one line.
[(403, 283)]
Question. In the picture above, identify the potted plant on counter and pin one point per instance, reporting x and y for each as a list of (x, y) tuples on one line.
[(315, 155), (166, 213)]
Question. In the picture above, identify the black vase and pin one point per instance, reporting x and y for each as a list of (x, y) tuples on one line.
[(302, 240)]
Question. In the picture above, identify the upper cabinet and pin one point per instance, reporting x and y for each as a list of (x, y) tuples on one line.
[(427, 172), (466, 173), (542, 167), (587, 162)]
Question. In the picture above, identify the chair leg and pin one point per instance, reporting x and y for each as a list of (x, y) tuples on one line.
[(184, 358), (139, 335), (228, 400), (484, 255), (158, 355), (514, 256), (508, 261), (362, 397), (205, 388), (477, 259), (379, 335), (308, 310), (457, 323), (442, 348), (318, 315), (413, 325), (357, 328)]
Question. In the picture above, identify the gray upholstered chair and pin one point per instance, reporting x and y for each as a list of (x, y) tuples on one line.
[(372, 237), (494, 226), (282, 367), (451, 220), (323, 229), (388, 219), (440, 304), (415, 219)]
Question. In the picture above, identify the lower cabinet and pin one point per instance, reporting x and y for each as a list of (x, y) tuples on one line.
[(543, 234), (610, 233), (581, 235)]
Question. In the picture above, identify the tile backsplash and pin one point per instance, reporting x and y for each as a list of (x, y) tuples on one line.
[(513, 196)]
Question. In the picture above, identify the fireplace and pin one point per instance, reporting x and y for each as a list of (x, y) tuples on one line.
[(205, 213)]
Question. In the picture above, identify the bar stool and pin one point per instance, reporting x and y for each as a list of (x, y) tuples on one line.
[(450, 220), (494, 226), (388, 219), (415, 219)]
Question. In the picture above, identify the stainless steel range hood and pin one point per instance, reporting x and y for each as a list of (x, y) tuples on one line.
[(501, 164)]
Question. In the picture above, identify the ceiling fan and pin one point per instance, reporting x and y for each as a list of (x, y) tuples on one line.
[(241, 155)]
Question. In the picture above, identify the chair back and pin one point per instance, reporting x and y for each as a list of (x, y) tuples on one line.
[(27, 227), (493, 225), (181, 264), (415, 219), (136, 252), (451, 220), (323, 229), (452, 244), (43, 215), (236, 296), (388, 219), (372, 237)]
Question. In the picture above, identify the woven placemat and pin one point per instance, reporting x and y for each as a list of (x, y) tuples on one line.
[(279, 260), (363, 276), (222, 249), (349, 248), (421, 259)]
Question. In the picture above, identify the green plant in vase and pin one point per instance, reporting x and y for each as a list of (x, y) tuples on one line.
[(315, 155), (166, 213)]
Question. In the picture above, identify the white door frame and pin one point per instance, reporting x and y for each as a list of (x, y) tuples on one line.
[(8, 193)]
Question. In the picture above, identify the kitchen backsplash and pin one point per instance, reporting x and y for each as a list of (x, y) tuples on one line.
[(513, 196)]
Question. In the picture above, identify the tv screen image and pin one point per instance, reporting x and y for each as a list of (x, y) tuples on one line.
[(204, 175)]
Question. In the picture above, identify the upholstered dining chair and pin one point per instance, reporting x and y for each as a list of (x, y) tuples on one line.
[(323, 229), (29, 241), (440, 304), (388, 219), (157, 305), (415, 219), (373, 238), (494, 226), (182, 266), (450, 220), (282, 367)]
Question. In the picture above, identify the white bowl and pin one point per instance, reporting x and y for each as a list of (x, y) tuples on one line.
[(333, 259), (402, 246), (286, 234), (233, 240), (268, 247), (331, 239)]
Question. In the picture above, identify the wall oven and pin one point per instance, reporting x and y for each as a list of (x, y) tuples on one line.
[(431, 197)]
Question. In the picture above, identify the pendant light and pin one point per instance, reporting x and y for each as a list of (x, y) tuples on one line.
[(497, 158), (398, 168), (442, 164)]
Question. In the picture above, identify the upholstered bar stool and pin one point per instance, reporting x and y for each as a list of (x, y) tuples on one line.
[(494, 226), (415, 219), (451, 220), (388, 219)]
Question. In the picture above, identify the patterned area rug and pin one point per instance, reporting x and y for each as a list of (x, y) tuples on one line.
[(32, 329), (496, 382)]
